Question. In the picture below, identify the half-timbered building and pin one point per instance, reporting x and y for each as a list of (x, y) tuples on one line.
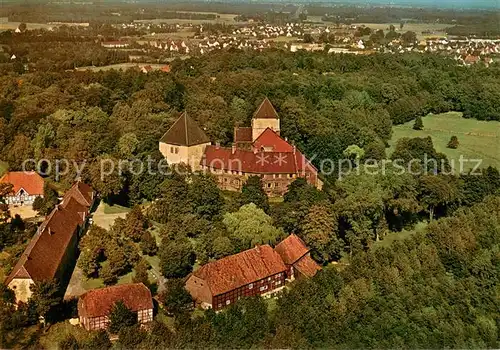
[(257, 271), (94, 306)]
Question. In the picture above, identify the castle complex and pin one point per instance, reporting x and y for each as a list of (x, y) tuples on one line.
[(256, 150)]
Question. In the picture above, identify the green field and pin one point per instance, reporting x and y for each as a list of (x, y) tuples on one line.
[(478, 139)]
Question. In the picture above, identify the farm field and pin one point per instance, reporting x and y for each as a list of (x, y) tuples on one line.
[(437, 29), (223, 18), (478, 139)]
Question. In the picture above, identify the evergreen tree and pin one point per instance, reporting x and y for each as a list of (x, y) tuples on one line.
[(121, 317), (141, 272), (148, 244), (253, 192), (176, 298), (418, 125), (176, 258), (46, 297)]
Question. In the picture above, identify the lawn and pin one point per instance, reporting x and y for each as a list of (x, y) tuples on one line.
[(3, 167), (478, 139), (115, 209), (398, 236)]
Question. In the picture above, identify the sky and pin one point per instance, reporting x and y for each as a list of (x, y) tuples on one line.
[(489, 4)]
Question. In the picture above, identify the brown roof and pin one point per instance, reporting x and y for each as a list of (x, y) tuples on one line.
[(30, 181), (241, 269), (266, 110), (307, 266), (242, 134), (291, 249), (81, 192), (185, 132), (98, 302), (41, 259), (72, 205)]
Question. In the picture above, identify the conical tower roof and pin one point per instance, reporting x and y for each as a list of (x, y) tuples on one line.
[(266, 111), (185, 132)]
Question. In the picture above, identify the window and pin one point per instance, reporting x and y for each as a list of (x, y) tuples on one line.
[(263, 288), (228, 302), (269, 185), (250, 286), (276, 184), (220, 305), (269, 278), (278, 282), (171, 150), (176, 150)]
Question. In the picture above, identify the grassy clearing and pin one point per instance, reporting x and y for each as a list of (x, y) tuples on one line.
[(478, 139), (115, 209), (3, 167), (399, 236), (435, 29)]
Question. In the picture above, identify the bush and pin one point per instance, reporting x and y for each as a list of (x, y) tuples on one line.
[(453, 143)]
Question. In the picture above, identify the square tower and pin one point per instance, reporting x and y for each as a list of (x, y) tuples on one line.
[(184, 142), (265, 117)]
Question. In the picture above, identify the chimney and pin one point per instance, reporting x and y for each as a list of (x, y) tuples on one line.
[(50, 231), (294, 149), (217, 145), (233, 148), (257, 248)]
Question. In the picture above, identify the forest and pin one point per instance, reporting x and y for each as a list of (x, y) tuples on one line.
[(436, 288)]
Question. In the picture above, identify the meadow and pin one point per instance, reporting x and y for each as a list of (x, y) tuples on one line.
[(478, 139)]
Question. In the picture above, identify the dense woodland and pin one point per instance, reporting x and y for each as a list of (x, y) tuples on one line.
[(437, 288)]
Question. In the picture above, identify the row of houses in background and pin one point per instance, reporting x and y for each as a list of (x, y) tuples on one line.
[(257, 150), (258, 271)]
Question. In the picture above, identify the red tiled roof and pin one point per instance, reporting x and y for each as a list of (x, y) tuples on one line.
[(256, 162), (266, 110), (307, 266), (242, 134), (270, 139), (241, 269), (41, 259), (30, 181), (81, 192), (291, 249), (98, 302), (247, 161), (72, 205)]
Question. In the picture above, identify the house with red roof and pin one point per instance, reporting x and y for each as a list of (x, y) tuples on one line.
[(26, 186), (257, 271), (52, 251), (94, 306), (297, 258), (258, 150)]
